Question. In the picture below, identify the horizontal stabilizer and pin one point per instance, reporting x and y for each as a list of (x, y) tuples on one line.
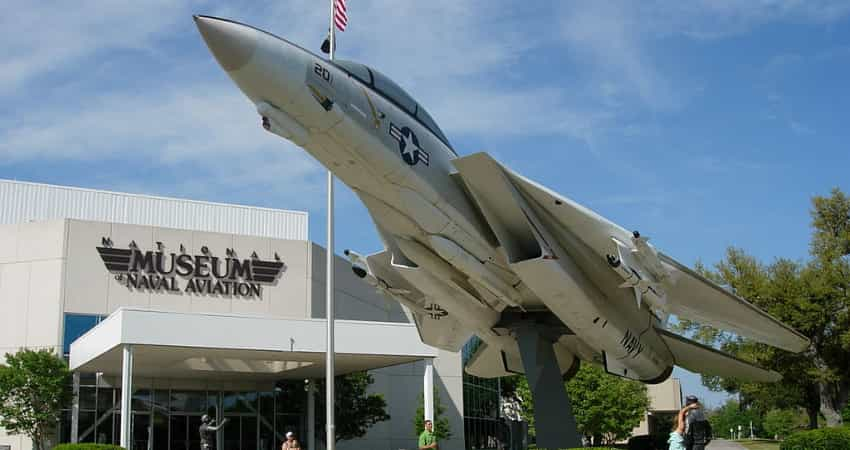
[(700, 358), (696, 298)]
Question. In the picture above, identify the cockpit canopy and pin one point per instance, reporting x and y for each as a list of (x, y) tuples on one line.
[(394, 93)]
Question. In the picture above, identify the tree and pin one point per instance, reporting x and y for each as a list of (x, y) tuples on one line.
[(779, 422), (442, 429), (33, 392), (356, 410), (606, 407), (731, 416), (813, 297)]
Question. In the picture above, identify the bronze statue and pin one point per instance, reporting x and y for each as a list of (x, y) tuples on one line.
[(207, 432)]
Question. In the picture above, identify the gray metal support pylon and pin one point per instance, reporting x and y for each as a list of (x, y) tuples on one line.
[(553, 414)]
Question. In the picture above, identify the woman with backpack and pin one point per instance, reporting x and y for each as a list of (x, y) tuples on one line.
[(677, 436)]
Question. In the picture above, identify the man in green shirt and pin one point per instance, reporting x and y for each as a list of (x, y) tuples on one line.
[(427, 440)]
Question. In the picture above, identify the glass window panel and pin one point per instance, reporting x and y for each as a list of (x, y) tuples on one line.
[(88, 379), (160, 401), (86, 426), (65, 427), (268, 441), (240, 402), (194, 424), (104, 429), (179, 432), (160, 428), (212, 404), (231, 434), (88, 398), (141, 431), (290, 397), (105, 401), (188, 401), (76, 325), (142, 400), (249, 433)]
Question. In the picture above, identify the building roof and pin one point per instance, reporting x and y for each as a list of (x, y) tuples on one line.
[(223, 346), (33, 202)]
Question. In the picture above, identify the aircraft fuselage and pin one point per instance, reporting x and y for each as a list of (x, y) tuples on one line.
[(376, 141)]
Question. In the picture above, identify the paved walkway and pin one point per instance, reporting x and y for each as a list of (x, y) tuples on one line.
[(722, 444)]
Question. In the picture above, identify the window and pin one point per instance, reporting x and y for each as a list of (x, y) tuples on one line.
[(430, 124), (77, 325), (356, 70), (483, 427), (394, 92)]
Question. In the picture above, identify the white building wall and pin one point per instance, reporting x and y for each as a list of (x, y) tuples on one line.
[(31, 266), (22, 202), (31, 288), (51, 268)]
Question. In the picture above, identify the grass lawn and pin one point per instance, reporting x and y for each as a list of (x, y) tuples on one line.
[(760, 445)]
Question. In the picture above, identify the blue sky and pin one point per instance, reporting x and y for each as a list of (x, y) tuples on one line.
[(703, 124)]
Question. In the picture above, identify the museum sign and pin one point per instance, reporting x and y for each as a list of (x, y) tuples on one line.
[(198, 274)]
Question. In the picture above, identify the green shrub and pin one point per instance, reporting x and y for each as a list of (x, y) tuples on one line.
[(821, 439), (87, 446)]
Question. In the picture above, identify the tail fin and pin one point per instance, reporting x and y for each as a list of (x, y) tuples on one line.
[(701, 358)]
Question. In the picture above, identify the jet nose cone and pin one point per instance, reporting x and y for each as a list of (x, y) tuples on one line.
[(231, 43)]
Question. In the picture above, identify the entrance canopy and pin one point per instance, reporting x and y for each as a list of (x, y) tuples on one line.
[(221, 346)]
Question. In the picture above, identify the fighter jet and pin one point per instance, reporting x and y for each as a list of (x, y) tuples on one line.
[(475, 249)]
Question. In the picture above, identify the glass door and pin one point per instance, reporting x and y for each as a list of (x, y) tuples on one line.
[(241, 433), (232, 433), (141, 427), (179, 439), (184, 432)]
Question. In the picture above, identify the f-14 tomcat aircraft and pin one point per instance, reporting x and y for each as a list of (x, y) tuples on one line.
[(474, 248)]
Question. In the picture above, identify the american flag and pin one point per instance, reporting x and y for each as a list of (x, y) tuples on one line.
[(340, 16)]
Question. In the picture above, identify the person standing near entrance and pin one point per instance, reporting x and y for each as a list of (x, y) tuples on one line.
[(427, 440), (677, 436), (207, 431), (290, 443), (697, 428)]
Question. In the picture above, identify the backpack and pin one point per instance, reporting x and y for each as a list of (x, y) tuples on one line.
[(699, 432)]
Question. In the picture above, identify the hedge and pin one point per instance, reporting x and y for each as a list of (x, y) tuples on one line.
[(87, 446), (820, 439)]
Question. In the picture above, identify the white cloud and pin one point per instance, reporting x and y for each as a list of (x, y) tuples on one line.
[(211, 129), (466, 61), (43, 37), (609, 38)]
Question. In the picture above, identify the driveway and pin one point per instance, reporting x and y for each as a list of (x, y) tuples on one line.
[(722, 444)]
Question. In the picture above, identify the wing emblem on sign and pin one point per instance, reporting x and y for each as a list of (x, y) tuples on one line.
[(117, 260), (266, 271)]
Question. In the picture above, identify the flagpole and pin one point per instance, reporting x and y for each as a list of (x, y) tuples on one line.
[(330, 401)]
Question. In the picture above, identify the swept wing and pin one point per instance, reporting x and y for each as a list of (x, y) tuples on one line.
[(688, 294)]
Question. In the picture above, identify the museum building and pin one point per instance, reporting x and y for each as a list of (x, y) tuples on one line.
[(204, 308)]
